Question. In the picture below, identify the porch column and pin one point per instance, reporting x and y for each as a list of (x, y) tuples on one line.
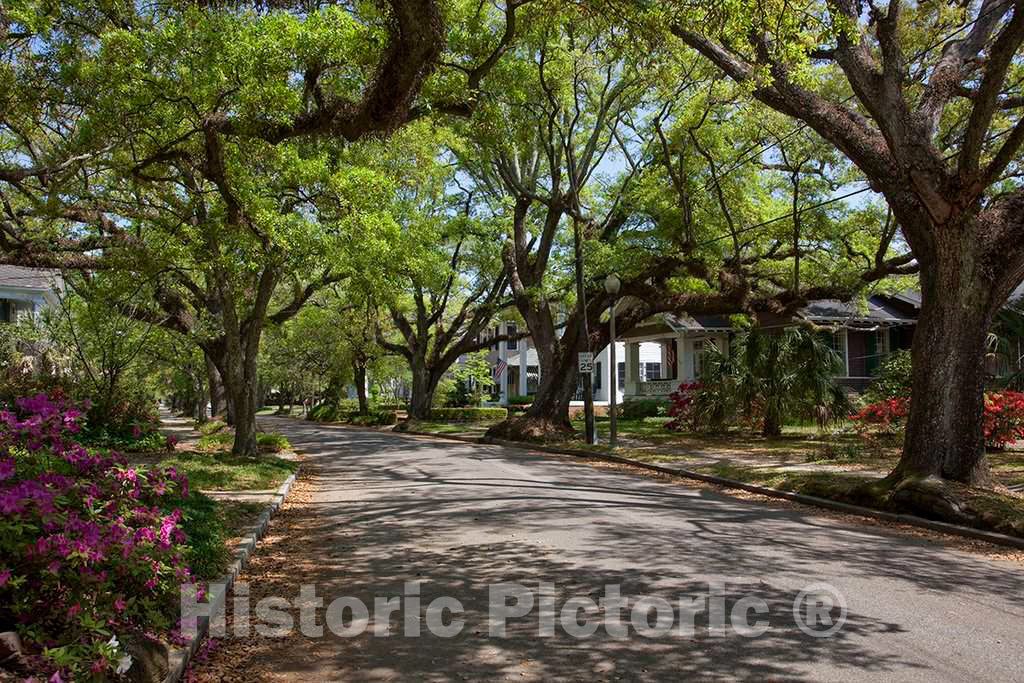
[(503, 379), (686, 360), (683, 351), (524, 361), (632, 384)]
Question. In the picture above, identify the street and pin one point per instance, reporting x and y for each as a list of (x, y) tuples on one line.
[(386, 509)]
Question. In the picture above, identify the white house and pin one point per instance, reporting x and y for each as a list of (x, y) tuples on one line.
[(667, 350), (26, 291), (516, 369)]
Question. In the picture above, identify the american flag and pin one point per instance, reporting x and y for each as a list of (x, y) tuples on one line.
[(499, 369)]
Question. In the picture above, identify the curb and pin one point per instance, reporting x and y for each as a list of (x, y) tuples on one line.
[(910, 520), (179, 658)]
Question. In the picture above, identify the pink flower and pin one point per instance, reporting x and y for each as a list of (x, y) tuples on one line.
[(74, 611), (6, 468), (119, 604), (5, 576)]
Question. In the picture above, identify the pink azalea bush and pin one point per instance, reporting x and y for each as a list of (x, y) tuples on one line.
[(90, 547), (682, 408), (1004, 417)]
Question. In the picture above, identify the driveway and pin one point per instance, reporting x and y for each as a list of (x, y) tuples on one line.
[(384, 510)]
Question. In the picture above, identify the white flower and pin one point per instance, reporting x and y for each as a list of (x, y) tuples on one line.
[(113, 642), (123, 664)]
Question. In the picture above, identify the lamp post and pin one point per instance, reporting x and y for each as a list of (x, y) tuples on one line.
[(612, 283)]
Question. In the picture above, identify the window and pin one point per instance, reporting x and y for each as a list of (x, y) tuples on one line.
[(836, 340), (496, 344), (12, 311), (700, 348), (512, 330), (598, 375), (651, 371), (622, 374), (876, 350), (532, 379)]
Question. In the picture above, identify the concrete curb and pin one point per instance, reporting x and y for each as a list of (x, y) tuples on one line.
[(910, 520), (180, 657)]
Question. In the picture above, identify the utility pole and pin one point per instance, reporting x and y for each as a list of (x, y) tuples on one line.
[(584, 342)]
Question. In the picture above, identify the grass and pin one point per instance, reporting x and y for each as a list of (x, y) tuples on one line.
[(475, 428), (222, 438), (225, 472), (211, 526)]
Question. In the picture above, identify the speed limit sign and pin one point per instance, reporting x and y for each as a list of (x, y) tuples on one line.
[(586, 361)]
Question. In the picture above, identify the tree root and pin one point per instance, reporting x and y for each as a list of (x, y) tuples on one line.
[(532, 429)]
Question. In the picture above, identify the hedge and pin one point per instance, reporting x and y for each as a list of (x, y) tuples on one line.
[(390, 406), (644, 407), (332, 413), (468, 414), (376, 418), (517, 400)]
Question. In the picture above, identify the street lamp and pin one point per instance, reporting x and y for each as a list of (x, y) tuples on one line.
[(612, 284)]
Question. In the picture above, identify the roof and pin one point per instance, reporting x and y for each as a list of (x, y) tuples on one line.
[(697, 323), (1018, 294), (878, 312), (42, 279)]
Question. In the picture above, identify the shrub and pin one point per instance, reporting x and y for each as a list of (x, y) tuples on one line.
[(886, 416), (390, 406), (893, 379), (211, 427), (682, 408), (126, 421), (90, 548), (468, 414), (462, 396), (271, 442), (376, 418), (1004, 417), (637, 408), (522, 401), (333, 411)]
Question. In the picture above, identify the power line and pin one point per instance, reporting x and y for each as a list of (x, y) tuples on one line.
[(749, 228)]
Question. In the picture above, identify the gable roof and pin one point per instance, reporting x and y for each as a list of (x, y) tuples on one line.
[(41, 279), (879, 311), (1018, 294)]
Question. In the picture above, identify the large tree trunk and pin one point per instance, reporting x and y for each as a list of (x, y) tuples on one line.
[(424, 386), (359, 375), (547, 418), (199, 412), (216, 386), (945, 428)]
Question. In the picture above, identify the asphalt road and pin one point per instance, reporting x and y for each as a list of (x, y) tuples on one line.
[(388, 509)]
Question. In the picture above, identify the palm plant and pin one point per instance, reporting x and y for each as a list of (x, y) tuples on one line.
[(773, 375), (1006, 341)]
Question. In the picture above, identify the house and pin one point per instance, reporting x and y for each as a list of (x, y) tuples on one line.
[(654, 358), (26, 291), (516, 369)]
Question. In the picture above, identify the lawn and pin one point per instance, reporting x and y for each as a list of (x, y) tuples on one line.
[(462, 428), (225, 472)]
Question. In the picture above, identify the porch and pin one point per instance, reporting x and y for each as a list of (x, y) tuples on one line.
[(681, 344)]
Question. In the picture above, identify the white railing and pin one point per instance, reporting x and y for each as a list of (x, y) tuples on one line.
[(658, 387)]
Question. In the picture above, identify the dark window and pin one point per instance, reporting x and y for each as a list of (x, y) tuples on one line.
[(496, 344), (513, 344), (598, 375), (622, 375), (652, 371), (532, 379)]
